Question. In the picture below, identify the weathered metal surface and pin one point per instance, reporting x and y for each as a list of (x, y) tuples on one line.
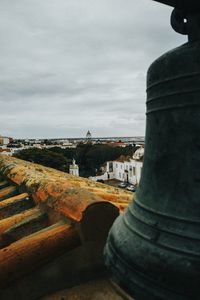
[(153, 249), (186, 23), (185, 18)]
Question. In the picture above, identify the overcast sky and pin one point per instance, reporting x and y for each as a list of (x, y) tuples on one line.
[(72, 65)]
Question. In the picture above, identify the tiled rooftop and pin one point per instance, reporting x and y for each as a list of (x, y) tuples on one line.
[(53, 228)]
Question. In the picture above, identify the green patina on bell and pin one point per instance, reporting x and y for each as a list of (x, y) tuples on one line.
[(153, 249)]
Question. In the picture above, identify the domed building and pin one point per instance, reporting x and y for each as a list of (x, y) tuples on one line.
[(88, 136)]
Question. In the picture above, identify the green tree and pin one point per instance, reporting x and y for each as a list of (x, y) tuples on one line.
[(46, 158), (89, 157)]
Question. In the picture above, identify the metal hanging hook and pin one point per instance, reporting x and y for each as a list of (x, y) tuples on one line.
[(179, 21)]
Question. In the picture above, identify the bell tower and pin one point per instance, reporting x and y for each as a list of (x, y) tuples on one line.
[(74, 168)]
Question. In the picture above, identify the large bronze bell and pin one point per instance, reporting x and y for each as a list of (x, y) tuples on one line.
[(153, 249)]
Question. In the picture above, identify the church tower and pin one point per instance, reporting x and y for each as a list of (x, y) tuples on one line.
[(74, 168), (88, 136)]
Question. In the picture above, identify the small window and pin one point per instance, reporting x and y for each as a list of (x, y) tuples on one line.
[(133, 171), (110, 167)]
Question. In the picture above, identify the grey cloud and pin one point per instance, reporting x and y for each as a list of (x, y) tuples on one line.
[(70, 65)]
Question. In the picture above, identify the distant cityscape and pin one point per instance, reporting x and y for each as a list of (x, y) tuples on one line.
[(119, 167), (10, 145)]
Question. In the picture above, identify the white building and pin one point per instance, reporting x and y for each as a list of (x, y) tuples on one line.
[(74, 168), (5, 151), (126, 169), (9, 151), (4, 140)]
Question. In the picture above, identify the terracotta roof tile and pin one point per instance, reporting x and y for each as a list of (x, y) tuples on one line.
[(50, 220), (123, 158), (16, 258)]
